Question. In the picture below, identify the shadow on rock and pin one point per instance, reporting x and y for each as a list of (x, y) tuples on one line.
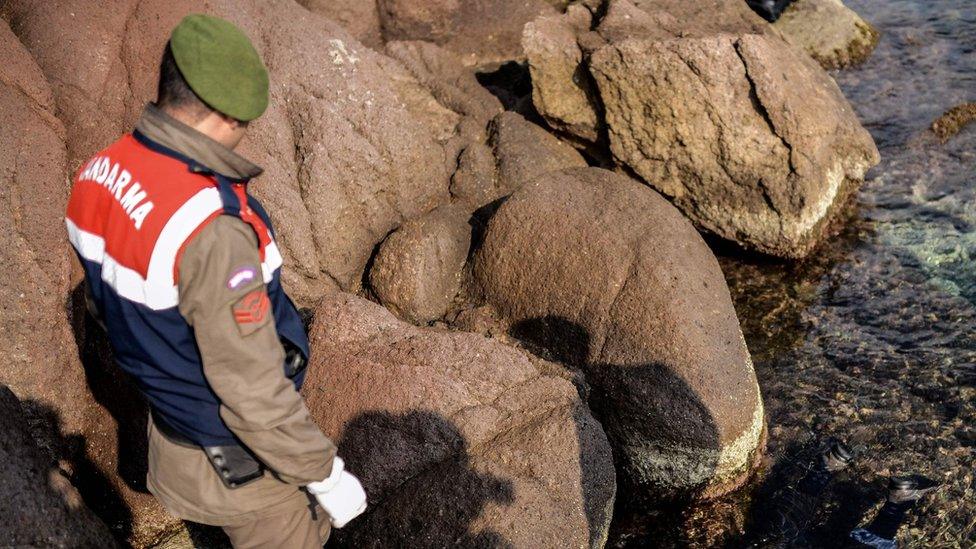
[(112, 389), (38, 505), (423, 490), (678, 438)]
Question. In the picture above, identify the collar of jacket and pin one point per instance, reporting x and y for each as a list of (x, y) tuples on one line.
[(173, 134)]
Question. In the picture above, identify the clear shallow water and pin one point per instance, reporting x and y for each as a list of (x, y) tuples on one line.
[(872, 340)]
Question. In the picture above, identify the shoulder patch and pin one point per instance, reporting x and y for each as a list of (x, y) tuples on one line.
[(241, 276), (252, 310)]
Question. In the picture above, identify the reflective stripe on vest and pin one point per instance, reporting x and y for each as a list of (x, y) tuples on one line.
[(133, 209)]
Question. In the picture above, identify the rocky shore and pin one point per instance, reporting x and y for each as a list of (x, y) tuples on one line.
[(514, 313)]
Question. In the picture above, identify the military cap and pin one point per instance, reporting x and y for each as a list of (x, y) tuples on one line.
[(221, 66)]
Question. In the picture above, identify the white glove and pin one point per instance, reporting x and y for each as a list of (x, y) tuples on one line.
[(341, 495)]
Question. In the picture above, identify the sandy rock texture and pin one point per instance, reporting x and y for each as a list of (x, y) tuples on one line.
[(459, 440), (525, 150), (39, 506), (331, 205), (46, 361), (417, 272), (605, 274), (747, 136), (385, 163), (359, 17), (562, 89), (829, 31), (482, 32)]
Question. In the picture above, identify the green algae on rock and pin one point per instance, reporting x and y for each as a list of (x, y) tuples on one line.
[(831, 33), (954, 120)]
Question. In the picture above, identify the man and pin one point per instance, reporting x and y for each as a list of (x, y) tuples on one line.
[(182, 269)]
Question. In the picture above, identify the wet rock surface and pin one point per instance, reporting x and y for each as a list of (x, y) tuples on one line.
[(417, 272), (953, 121), (605, 274), (459, 439), (39, 506), (829, 31)]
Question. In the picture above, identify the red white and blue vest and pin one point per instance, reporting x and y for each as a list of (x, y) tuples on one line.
[(134, 207)]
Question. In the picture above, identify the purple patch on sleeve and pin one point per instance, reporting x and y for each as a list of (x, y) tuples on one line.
[(241, 276)]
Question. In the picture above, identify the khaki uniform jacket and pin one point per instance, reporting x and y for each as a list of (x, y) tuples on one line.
[(258, 403)]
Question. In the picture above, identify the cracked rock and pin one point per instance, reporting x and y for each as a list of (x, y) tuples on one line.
[(604, 274), (750, 138)]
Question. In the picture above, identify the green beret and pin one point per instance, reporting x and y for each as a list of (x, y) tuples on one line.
[(221, 66)]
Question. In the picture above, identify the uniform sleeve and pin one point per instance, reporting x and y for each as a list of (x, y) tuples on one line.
[(223, 296)]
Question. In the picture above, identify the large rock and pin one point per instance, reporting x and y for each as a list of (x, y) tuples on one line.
[(459, 440), (482, 32), (829, 31), (746, 135), (79, 412), (562, 90), (38, 506), (606, 274), (453, 85), (417, 271), (517, 151), (347, 159), (359, 17)]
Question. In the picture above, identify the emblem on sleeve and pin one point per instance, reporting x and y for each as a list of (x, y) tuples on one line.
[(252, 308), (241, 276)]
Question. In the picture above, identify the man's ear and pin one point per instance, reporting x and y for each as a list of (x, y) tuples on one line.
[(233, 122)]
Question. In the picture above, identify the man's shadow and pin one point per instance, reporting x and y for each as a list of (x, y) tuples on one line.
[(112, 389), (33, 422), (667, 410), (423, 491)]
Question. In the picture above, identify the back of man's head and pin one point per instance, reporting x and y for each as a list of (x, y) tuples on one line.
[(174, 94)]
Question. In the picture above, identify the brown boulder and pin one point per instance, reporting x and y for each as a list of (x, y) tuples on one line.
[(703, 101), (417, 271), (517, 151), (454, 85), (607, 275), (475, 182), (562, 90), (753, 141), (40, 362), (38, 506), (482, 32), (359, 17), (347, 160), (459, 440), (829, 31)]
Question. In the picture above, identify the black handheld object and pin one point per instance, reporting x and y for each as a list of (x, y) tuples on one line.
[(235, 465), (770, 10)]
